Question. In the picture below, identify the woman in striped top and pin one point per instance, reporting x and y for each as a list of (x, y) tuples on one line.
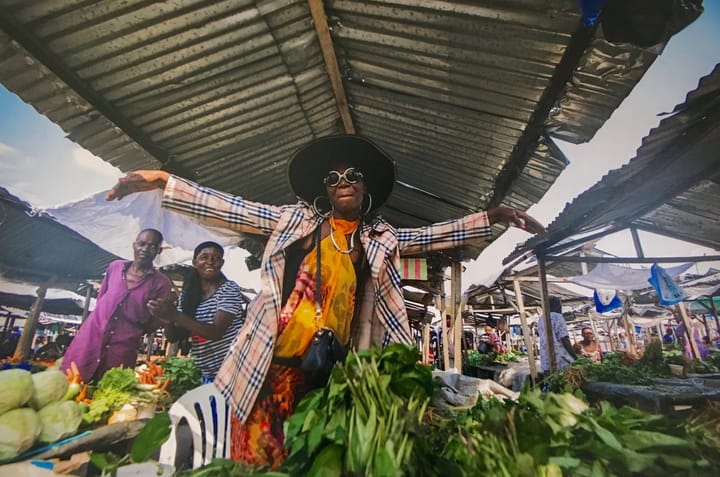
[(211, 309)]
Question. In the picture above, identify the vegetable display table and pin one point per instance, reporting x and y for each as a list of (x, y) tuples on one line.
[(671, 397), (99, 439)]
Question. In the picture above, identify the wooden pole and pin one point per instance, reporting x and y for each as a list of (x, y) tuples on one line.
[(455, 295), (444, 340), (24, 346), (526, 331), (426, 343), (546, 312), (688, 331), (317, 10)]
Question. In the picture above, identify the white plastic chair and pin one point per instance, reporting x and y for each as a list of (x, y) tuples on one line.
[(207, 415)]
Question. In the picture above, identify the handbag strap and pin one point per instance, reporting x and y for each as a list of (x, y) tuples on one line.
[(318, 298)]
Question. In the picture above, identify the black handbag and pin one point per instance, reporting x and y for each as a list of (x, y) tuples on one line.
[(325, 349)]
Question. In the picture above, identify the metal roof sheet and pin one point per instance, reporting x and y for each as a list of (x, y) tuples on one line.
[(464, 95), (671, 187), (27, 254)]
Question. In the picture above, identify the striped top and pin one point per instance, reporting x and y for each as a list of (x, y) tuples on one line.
[(209, 354)]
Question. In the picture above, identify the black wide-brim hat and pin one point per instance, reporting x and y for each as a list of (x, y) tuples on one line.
[(311, 163)]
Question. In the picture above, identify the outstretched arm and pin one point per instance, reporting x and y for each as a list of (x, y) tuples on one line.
[(453, 233), (211, 206), (518, 218), (138, 181)]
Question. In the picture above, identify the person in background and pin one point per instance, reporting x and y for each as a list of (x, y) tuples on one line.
[(111, 334), (488, 341), (39, 343), (340, 182), (682, 337), (589, 347), (564, 353), (211, 309), (622, 342), (668, 338)]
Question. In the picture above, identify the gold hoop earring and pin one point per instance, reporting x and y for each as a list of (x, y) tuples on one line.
[(369, 207), (317, 210)]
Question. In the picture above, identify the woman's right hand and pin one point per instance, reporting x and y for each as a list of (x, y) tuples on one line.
[(138, 181)]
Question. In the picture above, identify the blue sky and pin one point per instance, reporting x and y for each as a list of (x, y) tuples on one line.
[(40, 166)]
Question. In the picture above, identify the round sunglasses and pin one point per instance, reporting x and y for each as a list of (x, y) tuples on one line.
[(350, 175)]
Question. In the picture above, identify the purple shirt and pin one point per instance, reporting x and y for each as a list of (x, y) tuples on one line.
[(111, 335)]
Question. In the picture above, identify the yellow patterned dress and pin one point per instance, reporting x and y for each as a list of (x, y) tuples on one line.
[(260, 440)]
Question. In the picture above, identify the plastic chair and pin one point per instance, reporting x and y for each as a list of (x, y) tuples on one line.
[(207, 416)]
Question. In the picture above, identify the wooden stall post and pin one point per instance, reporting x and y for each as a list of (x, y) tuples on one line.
[(688, 330), (526, 331), (546, 312), (455, 296), (24, 346), (443, 341)]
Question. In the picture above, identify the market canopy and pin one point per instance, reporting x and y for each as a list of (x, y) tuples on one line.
[(37, 249), (466, 96), (671, 187)]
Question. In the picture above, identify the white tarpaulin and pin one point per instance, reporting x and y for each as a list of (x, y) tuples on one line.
[(610, 276), (114, 225), (644, 316)]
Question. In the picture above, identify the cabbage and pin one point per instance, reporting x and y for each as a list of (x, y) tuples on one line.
[(59, 419), (19, 429), (16, 387), (49, 385)]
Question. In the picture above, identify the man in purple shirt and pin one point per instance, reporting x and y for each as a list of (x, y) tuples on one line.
[(111, 334)]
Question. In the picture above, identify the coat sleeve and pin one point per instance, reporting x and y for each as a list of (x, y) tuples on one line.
[(219, 209), (444, 235)]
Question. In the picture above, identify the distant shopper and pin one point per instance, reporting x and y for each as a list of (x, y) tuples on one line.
[(211, 309), (112, 333), (589, 347), (564, 354), (489, 341)]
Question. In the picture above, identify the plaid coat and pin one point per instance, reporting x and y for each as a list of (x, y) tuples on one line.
[(382, 312)]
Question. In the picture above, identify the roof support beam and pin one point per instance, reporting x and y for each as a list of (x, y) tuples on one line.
[(703, 258), (579, 42), (331, 65)]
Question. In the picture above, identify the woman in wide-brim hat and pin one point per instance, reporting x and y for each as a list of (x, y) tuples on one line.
[(340, 181)]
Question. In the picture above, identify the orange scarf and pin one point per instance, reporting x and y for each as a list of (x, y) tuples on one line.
[(338, 287)]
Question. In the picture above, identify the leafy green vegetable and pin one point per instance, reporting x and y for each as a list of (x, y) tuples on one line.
[(184, 375), (16, 388), (119, 379), (48, 386), (153, 435), (59, 419)]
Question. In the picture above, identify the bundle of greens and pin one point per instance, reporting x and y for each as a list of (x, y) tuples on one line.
[(373, 419), (365, 421), (183, 373)]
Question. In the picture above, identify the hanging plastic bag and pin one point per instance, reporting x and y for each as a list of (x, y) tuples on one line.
[(668, 291)]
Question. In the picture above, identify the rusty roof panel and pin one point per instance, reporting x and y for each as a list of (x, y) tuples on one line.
[(27, 255), (222, 92), (671, 187)]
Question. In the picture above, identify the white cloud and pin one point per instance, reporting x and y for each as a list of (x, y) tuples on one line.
[(82, 158), (6, 150)]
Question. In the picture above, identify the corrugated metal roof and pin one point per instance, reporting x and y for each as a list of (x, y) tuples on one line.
[(36, 248), (671, 187), (462, 94)]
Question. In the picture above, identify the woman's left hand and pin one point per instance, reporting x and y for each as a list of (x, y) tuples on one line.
[(518, 218), (163, 310)]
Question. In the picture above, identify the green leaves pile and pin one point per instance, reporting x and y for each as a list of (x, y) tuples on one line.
[(365, 422), (373, 419), (556, 434), (183, 373)]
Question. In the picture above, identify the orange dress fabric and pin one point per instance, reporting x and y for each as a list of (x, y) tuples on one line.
[(260, 440)]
